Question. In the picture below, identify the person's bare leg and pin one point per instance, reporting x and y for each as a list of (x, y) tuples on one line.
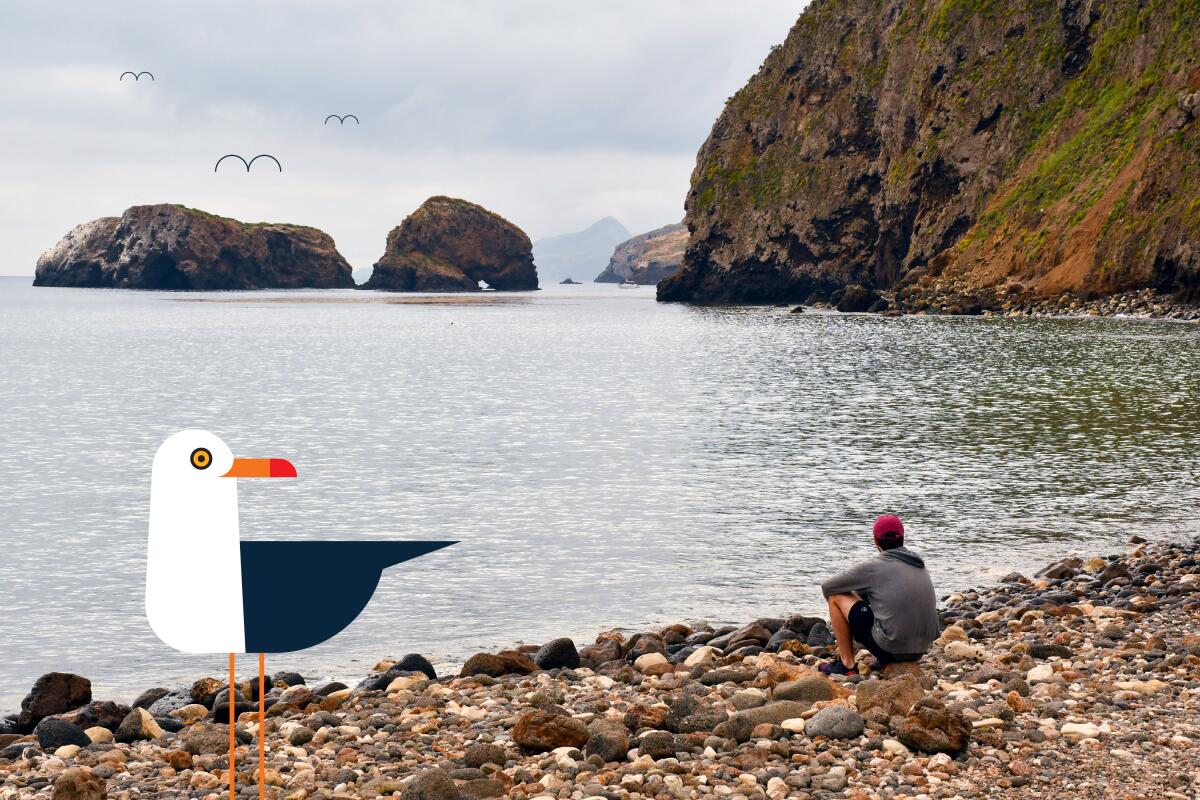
[(839, 620)]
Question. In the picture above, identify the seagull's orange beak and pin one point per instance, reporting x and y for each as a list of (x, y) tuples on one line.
[(261, 468)]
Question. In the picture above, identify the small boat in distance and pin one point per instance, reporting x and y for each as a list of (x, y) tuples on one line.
[(628, 284)]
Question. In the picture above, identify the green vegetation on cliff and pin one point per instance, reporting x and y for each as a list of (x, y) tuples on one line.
[(1044, 146)]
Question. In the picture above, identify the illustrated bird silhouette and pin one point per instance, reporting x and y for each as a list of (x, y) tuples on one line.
[(194, 525), (245, 163)]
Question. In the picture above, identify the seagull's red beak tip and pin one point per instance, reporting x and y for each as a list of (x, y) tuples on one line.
[(282, 468)]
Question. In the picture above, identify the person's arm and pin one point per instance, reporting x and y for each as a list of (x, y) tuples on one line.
[(855, 579)]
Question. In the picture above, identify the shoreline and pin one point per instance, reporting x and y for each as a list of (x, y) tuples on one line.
[(914, 300), (1081, 679)]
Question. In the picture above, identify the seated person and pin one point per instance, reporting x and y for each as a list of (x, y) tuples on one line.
[(886, 603)]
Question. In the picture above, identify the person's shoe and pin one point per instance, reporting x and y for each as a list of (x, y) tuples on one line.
[(835, 667)]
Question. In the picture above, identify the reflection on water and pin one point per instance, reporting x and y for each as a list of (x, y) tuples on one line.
[(604, 460)]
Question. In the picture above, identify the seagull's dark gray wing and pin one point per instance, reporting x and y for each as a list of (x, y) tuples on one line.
[(273, 571)]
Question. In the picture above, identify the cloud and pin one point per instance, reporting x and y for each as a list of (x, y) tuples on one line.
[(553, 113)]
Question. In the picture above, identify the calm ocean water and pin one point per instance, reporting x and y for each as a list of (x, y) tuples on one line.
[(604, 460)]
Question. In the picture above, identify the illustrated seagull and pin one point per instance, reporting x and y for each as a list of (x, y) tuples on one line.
[(194, 522)]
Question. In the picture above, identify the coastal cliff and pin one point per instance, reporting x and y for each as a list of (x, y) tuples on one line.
[(450, 245), (956, 148), (648, 258), (176, 248)]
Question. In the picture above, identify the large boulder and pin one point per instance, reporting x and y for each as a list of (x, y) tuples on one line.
[(609, 739), (835, 722), (450, 245), (415, 662), (558, 653), (856, 298), (79, 783), (540, 731), (931, 727), (432, 784), (138, 726), (53, 693), (690, 714), (506, 662), (648, 258), (104, 713), (895, 696), (601, 652), (53, 733), (740, 726), (811, 688), (173, 247)]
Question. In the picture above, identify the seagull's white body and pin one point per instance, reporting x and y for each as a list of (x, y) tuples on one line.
[(193, 559)]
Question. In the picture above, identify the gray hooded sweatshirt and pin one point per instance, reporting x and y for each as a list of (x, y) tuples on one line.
[(897, 587)]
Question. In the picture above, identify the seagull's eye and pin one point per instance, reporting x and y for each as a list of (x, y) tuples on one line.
[(201, 458)]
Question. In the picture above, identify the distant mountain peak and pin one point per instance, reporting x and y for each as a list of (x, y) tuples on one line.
[(578, 255)]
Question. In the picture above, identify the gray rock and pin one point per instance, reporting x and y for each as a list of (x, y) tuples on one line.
[(171, 701), (835, 722), (810, 689), (688, 715), (479, 754), (740, 726), (728, 675), (819, 636), (432, 784)]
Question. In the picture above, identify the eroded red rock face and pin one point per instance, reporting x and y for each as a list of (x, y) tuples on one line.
[(169, 247), (450, 245)]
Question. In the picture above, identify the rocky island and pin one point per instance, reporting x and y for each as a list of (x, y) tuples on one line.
[(1080, 681), (170, 247), (450, 245), (957, 155), (648, 258)]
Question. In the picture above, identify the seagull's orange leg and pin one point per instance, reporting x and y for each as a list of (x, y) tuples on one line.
[(232, 706), (262, 727)]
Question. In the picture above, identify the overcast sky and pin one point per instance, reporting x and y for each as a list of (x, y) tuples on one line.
[(553, 113)]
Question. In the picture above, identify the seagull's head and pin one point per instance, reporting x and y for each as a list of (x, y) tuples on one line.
[(192, 456)]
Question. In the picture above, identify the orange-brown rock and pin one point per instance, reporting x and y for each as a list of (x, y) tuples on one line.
[(540, 731), (450, 245)]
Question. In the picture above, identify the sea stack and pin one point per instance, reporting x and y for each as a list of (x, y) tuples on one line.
[(648, 258), (1041, 149), (170, 247), (450, 245)]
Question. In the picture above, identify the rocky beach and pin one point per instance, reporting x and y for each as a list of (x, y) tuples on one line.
[(1080, 681)]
